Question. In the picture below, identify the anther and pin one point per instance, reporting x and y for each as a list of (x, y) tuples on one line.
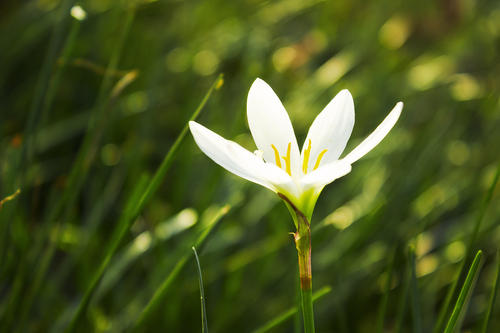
[(320, 156), (276, 156)]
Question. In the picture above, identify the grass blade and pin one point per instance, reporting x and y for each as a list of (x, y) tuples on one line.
[(385, 299), (451, 291), (491, 303), (464, 293), (291, 312), (159, 294), (415, 301), (403, 301), (40, 104), (204, 328), (79, 171)]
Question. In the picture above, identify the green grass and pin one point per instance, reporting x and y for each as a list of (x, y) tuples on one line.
[(113, 192)]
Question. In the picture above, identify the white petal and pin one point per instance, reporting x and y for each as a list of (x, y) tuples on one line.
[(377, 135), (331, 129), (231, 156), (326, 174), (270, 124)]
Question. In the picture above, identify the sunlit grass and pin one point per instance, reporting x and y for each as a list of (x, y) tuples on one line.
[(103, 193)]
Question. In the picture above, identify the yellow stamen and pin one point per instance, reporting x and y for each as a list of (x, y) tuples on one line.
[(276, 156), (320, 156), (307, 152), (287, 159)]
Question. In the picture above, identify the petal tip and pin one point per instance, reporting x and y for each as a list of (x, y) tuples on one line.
[(258, 82), (346, 96), (345, 92), (193, 124), (398, 108)]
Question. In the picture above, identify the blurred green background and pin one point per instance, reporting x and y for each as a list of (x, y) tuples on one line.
[(93, 97)]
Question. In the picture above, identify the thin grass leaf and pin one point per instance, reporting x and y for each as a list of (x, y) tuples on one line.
[(37, 109), (291, 312), (451, 291), (160, 293), (204, 322), (403, 301), (39, 104), (464, 293), (21, 163), (130, 214), (494, 292), (414, 293), (383, 304)]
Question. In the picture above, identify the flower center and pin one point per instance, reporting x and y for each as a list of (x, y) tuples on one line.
[(305, 162)]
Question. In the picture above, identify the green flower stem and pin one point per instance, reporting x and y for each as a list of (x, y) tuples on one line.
[(307, 311), (303, 244)]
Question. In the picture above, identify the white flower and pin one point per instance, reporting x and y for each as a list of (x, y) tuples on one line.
[(278, 164)]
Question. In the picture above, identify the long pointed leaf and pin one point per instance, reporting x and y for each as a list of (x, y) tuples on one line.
[(494, 292), (464, 294), (204, 322)]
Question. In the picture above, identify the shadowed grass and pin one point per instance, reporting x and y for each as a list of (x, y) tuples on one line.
[(493, 294), (130, 214), (383, 303), (477, 226), (414, 292), (86, 155), (403, 300)]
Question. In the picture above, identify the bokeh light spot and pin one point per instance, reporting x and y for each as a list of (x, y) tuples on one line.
[(78, 13), (465, 87), (458, 152), (283, 58), (455, 251), (394, 33), (341, 218), (427, 265), (430, 71), (424, 244), (110, 154), (178, 60), (205, 62)]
